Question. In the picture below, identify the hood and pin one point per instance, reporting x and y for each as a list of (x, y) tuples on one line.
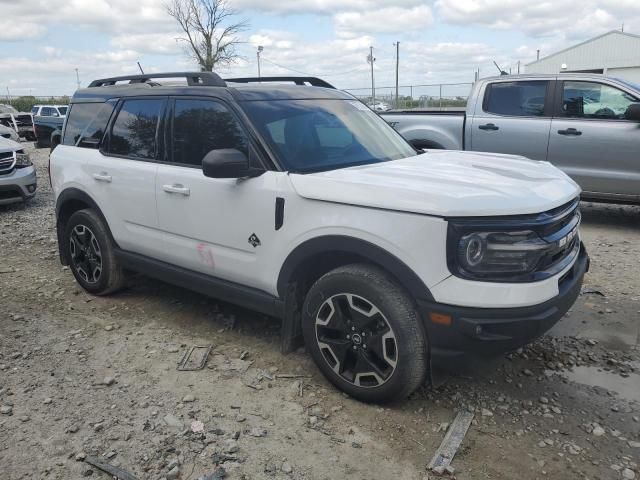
[(7, 145), (445, 183)]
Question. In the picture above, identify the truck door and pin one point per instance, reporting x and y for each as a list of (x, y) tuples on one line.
[(513, 117), (592, 140)]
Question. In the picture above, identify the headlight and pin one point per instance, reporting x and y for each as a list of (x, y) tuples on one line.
[(486, 253), (22, 159)]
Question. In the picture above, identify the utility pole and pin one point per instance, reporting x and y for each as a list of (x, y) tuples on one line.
[(78, 78), (260, 49), (538, 54), (397, 70), (518, 67), (371, 59)]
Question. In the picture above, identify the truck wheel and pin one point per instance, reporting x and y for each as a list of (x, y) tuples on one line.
[(91, 254), (363, 331)]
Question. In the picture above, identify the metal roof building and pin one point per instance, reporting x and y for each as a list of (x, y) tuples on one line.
[(615, 53)]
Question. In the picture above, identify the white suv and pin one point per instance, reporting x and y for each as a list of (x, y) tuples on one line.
[(300, 202)]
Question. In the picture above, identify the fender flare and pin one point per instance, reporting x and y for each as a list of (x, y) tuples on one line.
[(352, 245), (71, 194)]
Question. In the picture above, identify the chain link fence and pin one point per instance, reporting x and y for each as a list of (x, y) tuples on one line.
[(437, 96)]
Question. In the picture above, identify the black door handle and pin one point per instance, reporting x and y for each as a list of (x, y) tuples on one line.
[(570, 131), (489, 126)]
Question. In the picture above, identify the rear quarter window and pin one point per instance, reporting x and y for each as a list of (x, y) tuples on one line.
[(516, 99), (86, 124)]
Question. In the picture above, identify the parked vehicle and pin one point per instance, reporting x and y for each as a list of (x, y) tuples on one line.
[(45, 128), (379, 106), (49, 110), (9, 133), (588, 125), (17, 175), (301, 203), (21, 122)]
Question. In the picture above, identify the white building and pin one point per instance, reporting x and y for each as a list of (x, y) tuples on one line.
[(615, 53)]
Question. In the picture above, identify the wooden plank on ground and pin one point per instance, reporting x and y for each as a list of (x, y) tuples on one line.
[(452, 440)]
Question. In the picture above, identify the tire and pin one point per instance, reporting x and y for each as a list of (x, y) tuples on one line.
[(90, 251), (356, 304)]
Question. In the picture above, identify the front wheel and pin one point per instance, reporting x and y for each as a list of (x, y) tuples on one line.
[(364, 333)]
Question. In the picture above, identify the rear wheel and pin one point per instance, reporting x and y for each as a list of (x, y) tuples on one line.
[(91, 254), (363, 331)]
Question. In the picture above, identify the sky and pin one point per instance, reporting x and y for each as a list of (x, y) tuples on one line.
[(42, 43)]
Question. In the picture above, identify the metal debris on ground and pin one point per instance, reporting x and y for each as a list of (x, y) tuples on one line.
[(116, 472), (452, 440), (587, 291), (195, 358)]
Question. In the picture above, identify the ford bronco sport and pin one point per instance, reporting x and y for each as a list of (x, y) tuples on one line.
[(300, 202)]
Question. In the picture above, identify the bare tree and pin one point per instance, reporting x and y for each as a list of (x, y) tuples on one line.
[(210, 35)]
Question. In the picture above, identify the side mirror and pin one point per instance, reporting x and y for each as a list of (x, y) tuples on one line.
[(633, 112), (56, 138), (228, 163)]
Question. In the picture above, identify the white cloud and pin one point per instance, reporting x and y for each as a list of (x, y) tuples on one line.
[(11, 31), (385, 20), (565, 19), (327, 7), (155, 43)]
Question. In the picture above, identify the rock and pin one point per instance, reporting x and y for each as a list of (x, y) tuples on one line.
[(240, 418), (598, 431), (633, 444), (24, 418), (487, 413), (172, 349), (286, 468), (108, 328), (6, 409), (108, 381), (173, 422), (173, 473), (256, 432), (98, 427), (544, 400), (313, 420), (188, 398), (47, 401), (628, 474), (527, 372), (81, 456)]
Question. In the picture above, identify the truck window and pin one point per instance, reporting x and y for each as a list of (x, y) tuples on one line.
[(595, 100), (134, 131), (200, 126), (517, 99), (86, 124), (46, 112)]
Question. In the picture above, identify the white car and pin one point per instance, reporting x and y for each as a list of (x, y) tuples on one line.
[(9, 133), (49, 110), (302, 203)]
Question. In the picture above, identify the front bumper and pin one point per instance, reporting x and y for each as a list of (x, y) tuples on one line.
[(461, 333), (18, 186)]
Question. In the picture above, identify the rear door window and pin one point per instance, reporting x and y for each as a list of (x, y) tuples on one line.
[(516, 99), (86, 124), (595, 100), (200, 126), (135, 129)]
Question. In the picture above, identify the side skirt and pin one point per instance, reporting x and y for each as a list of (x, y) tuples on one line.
[(250, 298)]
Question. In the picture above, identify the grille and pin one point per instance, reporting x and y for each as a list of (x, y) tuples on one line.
[(24, 120), (7, 162)]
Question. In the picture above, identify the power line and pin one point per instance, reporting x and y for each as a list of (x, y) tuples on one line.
[(310, 74)]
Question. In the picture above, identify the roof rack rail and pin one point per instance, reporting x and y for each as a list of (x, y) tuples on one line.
[(206, 79), (313, 81)]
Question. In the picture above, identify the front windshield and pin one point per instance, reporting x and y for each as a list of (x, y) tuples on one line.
[(318, 135)]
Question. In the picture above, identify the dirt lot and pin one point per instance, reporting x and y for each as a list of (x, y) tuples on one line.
[(81, 375)]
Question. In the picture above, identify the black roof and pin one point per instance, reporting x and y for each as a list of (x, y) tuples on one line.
[(209, 84)]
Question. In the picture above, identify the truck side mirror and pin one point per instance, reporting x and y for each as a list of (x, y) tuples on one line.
[(56, 138), (633, 112)]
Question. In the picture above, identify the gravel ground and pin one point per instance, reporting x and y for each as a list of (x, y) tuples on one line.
[(83, 376)]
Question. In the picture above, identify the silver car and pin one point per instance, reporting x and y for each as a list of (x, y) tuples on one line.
[(17, 174)]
